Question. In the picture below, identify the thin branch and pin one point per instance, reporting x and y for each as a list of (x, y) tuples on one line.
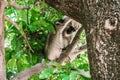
[(82, 48), (71, 47), (74, 54), (84, 73), (26, 74), (23, 33), (14, 4), (12, 22)]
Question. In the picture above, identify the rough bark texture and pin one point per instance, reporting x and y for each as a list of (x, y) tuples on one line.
[(103, 38), (76, 9), (101, 19), (2, 53)]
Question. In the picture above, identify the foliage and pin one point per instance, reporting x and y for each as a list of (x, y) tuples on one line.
[(36, 22)]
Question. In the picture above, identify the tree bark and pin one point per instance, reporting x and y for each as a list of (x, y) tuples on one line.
[(2, 52), (103, 39), (101, 19), (72, 8)]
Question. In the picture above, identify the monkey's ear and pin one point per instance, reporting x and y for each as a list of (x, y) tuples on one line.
[(63, 21), (59, 22)]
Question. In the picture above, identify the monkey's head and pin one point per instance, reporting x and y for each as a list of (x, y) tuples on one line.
[(71, 28), (60, 21), (59, 24)]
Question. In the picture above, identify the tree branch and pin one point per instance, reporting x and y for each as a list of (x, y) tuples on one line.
[(70, 48), (14, 4), (74, 54), (82, 48), (71, 8), (84, 73), (17, 27), (26, 74)]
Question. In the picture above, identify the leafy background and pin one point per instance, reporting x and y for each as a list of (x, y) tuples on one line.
[(36, 23)]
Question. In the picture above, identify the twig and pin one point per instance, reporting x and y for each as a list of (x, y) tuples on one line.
[(17, 27), (82, 48)]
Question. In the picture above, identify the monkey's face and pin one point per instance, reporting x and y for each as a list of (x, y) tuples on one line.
[(59, 24), (70, 29)]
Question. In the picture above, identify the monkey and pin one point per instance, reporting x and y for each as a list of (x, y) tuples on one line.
[(64, 35), (53, 47)]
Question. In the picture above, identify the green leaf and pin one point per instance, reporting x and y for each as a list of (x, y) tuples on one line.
[(33, 28), (46, 73), (73, 75), (11, 64), (65, 77)]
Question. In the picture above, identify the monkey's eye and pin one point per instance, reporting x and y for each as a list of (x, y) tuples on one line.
[(70, 30)]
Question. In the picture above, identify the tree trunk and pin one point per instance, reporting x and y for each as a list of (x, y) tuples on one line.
[(101, 19), (2, 52), (103, 39)]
